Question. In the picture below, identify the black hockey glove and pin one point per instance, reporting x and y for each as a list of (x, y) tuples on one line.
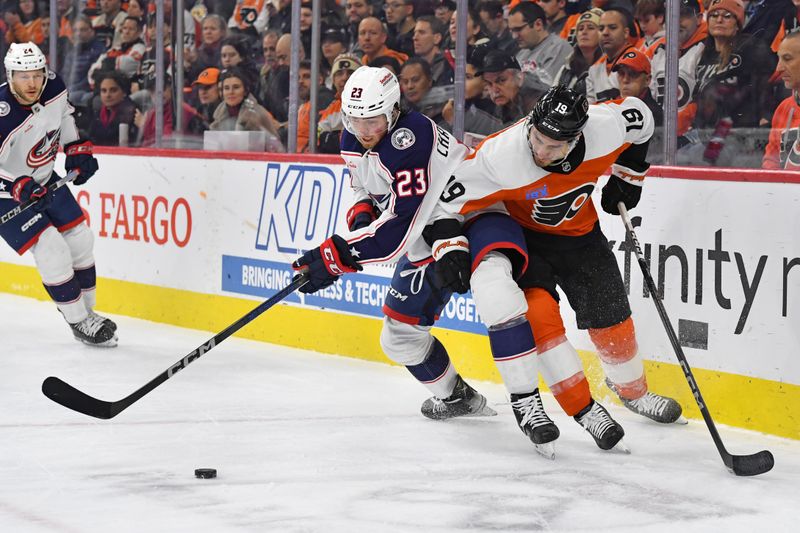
[(325, 264), (25, 189), (618, 190), (450, 250), (79, 156), (361, 215)]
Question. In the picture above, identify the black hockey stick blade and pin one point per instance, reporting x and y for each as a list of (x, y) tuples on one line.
[(62, 392), (751, 465), (65, 394)]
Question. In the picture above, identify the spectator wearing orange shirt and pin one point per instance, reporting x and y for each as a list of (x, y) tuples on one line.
[(24, 23), (783, 149), (372, 41)]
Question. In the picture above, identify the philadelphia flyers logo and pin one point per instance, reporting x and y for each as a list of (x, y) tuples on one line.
[(44, 151), (249, 15), (554, 211)]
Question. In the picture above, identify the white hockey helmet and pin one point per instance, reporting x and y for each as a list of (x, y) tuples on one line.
[(24, 57), (371, 92)]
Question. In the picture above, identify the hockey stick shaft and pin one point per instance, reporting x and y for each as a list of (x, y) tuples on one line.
[(71, 175), (739, 465), (65, 394)]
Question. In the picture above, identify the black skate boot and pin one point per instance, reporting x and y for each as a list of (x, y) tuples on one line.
[(107, 321), (534, 422), (662, 409), (465, 401), (605, 431), (94, 331)]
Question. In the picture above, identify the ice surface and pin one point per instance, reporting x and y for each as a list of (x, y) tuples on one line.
[(310, 442)]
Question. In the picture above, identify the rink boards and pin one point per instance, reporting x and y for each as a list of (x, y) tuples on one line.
[(196, 242)]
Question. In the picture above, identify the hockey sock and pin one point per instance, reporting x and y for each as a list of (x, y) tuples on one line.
[(436, 372), (514, 353), (620, 359), (87, 279)]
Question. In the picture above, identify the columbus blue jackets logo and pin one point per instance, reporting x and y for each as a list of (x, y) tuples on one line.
[(5, 109), (554, 211), (403, 138), (45, 150)]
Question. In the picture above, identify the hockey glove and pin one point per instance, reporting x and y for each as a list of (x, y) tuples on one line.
[(325, 264), (450, 250), (25, 189), (361, 215), (618, 190), (79, 156)]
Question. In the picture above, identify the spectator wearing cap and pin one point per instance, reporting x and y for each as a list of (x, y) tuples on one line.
[(196, 60), (400, 19), (239, 110), (250, 17), (783, 149), (356, 11), (334, 42), (79, 58), (115, 108), (650, 15), (330, 126), (492, 13), (601, 82), (207, 94), (556, 13), (126, 57), (584, 54), (108, 24), (633, 73), (540, 51), (372, 38), (692, 33), (428, 36), (513, 92), (732, 91), (479, 119), (146, 122)]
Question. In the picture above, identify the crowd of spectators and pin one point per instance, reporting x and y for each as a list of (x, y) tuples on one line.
[(739, 66)]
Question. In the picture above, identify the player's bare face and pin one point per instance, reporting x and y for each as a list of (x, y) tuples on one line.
[(547, 151), (369, 131), (28, 85)]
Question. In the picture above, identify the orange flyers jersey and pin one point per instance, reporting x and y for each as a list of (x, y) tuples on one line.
[(782, 149), (555, 199)]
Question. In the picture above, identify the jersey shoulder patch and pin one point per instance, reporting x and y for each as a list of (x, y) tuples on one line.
[(410, 143)]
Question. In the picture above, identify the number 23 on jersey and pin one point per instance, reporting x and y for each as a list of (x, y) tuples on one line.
[(411, 183)]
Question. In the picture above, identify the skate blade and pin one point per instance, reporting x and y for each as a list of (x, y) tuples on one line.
[(110, 343), (483, 411), (681, 421), (546, 450), (621, 447)]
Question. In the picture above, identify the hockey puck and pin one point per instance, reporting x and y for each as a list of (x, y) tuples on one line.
[(205, 473)]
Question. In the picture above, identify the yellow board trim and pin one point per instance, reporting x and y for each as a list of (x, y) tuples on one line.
[(750, 403)]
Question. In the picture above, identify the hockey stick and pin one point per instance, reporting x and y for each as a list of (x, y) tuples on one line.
[(741, 465), (71, 175), (62, 392)]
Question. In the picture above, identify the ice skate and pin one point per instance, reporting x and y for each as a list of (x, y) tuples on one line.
[(107, 321), (94, 331), (464, 401), (605, 431), (659, 408), (534, 422)]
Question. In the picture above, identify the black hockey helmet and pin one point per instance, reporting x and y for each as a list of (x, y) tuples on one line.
[(560, 114)]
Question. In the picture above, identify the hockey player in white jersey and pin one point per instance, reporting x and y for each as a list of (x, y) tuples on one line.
[(399, 163), (544, 169), (36, 120)]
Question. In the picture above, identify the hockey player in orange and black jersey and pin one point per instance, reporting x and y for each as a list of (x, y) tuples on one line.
[(35, 118), (544, 168)]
